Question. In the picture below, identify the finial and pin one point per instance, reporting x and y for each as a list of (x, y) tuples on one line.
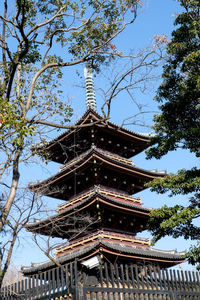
[(89, 89)]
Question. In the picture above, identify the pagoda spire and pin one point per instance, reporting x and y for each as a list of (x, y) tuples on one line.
[(89, 87)]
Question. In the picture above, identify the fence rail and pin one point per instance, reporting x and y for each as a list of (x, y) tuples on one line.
[(106, 282)]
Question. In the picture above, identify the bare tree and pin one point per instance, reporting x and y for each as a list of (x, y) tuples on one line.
[(24, 207), (12, 275), (137, 73), (48, 245), (131, 73)]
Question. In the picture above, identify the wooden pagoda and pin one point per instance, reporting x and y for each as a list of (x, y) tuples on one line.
[(101, 216)]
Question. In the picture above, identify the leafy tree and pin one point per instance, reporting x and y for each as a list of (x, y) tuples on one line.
[(32, 33), (178, 126)]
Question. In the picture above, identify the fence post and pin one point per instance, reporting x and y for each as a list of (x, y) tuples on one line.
[(77, 290), (77, 293), (174, 295)]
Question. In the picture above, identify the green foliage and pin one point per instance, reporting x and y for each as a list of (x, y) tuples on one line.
[(177, 221), (184, 182), (33, 32), (30, 81), (178, 126), (193, 254), (13, 126)]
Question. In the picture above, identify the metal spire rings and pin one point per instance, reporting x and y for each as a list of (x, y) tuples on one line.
[(89, 86)]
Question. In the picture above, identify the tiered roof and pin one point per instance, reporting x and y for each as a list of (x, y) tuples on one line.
[(95, 166), (96, 182), (112, 245), (96, 199), (90, 129)]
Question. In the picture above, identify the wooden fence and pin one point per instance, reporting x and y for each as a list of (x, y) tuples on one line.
[(107, 282)]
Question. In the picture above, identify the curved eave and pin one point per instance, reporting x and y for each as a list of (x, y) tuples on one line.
[(49, 222), (122, 198), (93, 116), (166, 258), (109, 161)]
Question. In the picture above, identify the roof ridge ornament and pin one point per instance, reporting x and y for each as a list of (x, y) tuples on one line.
[(89, 89)]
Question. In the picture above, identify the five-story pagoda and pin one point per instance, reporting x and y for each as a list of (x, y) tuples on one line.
[(99, 219)]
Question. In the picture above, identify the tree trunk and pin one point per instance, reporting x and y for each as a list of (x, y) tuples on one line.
[(13, 189)]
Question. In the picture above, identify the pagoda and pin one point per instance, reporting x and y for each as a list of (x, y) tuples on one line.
[(101, 215)]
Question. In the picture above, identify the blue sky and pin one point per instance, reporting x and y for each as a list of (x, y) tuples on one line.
[(156, 17)]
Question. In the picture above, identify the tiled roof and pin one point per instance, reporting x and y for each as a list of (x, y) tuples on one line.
[(97, 116), (110, 196), (98, 246), (102, 154), (104, 235)]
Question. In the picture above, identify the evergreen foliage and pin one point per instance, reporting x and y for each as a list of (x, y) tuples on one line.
[(178, 126)]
